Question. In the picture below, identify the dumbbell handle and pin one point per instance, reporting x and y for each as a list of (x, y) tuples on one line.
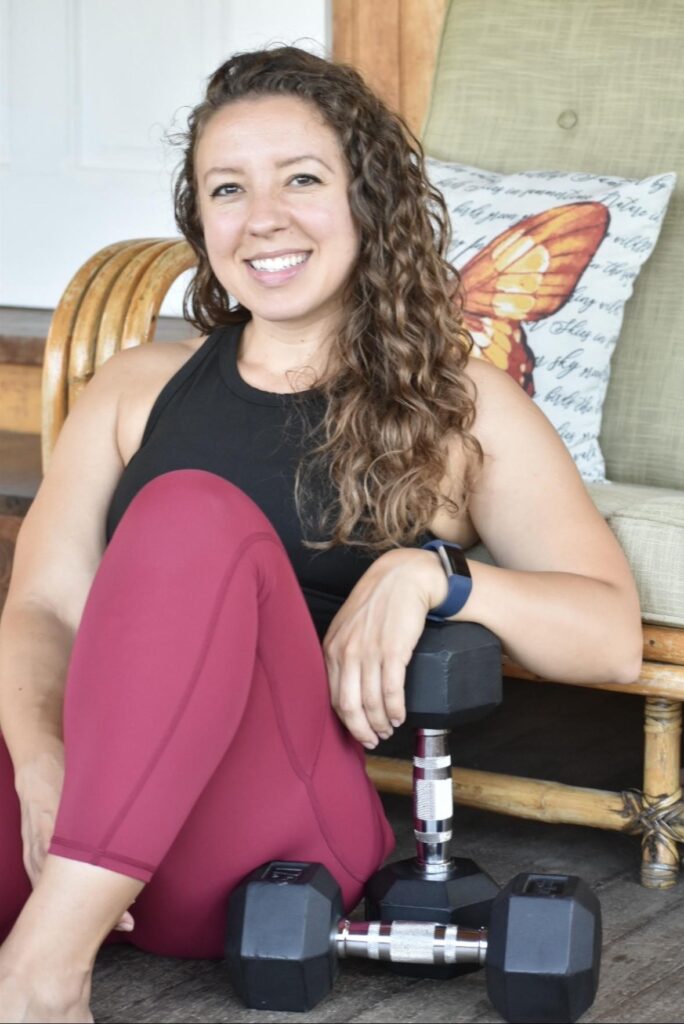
[(433, 800), (412, 942)]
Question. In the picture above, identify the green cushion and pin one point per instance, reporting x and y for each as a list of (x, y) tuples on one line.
[(649, 525), (596, 88)]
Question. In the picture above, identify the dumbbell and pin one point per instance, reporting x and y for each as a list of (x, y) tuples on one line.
[(286, 931), (453, 678)]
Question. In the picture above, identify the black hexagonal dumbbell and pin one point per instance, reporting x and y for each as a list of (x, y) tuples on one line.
[(286, 931), (453, 678)]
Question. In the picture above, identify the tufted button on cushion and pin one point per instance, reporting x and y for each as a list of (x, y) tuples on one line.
[(567, 119)]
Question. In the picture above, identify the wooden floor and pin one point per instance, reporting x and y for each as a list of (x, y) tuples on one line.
[(564, 733)]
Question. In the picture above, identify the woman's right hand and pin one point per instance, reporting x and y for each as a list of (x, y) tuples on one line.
[(39, 786)]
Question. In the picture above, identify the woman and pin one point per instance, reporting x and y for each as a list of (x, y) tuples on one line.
[(215, 509)]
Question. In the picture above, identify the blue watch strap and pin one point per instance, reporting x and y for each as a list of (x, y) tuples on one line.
[(459, 587)]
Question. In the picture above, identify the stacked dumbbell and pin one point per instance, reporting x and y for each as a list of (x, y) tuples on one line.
[(287, 930), (453, 679)]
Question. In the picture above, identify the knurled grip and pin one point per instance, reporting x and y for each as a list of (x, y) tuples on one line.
[(434, 799), (414, 942)]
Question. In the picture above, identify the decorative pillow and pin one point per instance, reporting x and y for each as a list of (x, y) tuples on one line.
[(548, 260)]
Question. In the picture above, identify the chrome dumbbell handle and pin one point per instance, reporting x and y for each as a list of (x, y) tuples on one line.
[(413, 942), (433, 800)]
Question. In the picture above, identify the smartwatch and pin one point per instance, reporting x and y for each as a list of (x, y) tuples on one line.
[(458, 575)]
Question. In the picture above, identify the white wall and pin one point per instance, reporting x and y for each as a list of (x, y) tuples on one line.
[(87, 90)]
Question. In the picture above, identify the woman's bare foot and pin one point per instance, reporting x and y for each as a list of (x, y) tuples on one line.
[(40, 984), (47, 960), (20, 1008), (42, 996)]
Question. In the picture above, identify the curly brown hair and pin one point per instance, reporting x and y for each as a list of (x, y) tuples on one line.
[(401, 394)]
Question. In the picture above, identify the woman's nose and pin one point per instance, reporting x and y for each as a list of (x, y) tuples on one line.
[(265, 213)]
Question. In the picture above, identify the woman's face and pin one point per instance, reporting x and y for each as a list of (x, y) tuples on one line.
[(272, 188)]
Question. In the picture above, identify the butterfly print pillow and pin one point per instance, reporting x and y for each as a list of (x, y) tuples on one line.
[(548, 260)]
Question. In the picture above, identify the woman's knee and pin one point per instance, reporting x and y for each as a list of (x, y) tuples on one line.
[(194, 499), (191, 520)]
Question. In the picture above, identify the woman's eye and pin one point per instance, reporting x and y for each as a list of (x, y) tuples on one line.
[(219, 190), (231, 188), (307, 178)]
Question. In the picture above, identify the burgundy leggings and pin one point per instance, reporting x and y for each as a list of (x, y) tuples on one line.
[(199, 736)]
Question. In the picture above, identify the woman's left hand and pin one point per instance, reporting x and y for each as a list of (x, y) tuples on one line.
[(372, 638)]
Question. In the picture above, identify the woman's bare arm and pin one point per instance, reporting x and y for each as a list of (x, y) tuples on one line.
[(58, 550), (561, 597), (34, 655)]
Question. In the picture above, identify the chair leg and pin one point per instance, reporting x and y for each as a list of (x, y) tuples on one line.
[(660, 809)]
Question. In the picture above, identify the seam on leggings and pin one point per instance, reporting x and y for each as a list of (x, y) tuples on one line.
[(301, 774), (190, 687), (284, 731), (69, 844)]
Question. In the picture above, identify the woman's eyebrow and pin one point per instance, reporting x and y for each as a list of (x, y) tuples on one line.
[(279, 164)]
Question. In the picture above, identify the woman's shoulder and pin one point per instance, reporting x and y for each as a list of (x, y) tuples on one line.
[(501, 404), (484, 374), (517, 439), (156, 356), (143, 371)]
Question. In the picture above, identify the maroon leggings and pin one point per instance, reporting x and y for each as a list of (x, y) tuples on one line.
[(199, 736)]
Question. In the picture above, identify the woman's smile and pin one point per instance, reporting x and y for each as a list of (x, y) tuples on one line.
[(273, 271)]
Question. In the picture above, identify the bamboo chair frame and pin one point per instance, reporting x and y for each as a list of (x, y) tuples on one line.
[(113, 302)]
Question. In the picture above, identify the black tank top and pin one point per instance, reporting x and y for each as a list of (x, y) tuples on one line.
[(207, 417)]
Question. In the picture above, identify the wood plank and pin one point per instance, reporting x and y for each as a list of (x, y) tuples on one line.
[(369, 39), (343, 30), (17, 348), (419, 36), (20, 469), (379, 64), (20, 397), (19, 325), (393, 44), (664, 643), (641, 977), (23, 334)]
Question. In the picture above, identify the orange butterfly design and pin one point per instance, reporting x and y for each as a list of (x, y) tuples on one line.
[(527, 273)]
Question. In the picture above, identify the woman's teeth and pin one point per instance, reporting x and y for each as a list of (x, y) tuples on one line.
[(279, 262)]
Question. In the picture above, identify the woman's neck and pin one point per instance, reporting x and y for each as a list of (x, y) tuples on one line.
[(279, 349)]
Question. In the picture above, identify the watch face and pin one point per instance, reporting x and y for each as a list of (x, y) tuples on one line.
[(457, 560)]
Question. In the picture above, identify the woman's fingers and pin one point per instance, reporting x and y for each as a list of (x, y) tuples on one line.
[(394, 688), (369, 645), (350, 706), (372, 698), (369, 696), (126, 923)]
